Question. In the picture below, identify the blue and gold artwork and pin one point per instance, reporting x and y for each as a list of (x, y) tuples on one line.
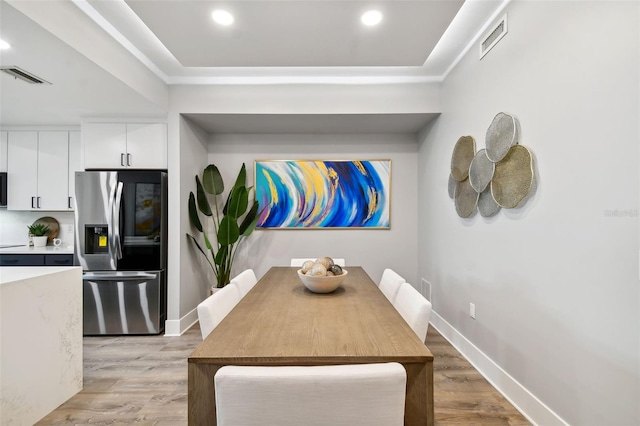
[(324, 194)]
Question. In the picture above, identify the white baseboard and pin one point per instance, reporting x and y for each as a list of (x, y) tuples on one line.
[(173, 328), (524, 401)]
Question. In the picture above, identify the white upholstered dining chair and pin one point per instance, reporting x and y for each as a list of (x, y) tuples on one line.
[(214, 308), (300, 261), (336, 395), (414, 308), (245, 281), (390, 284)]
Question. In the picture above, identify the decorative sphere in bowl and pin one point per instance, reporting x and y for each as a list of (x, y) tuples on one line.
[(323, 284)]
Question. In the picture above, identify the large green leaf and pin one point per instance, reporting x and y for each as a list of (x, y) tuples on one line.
[(238, 203), (251, 216), (228, 233), (201, 251), (225, 209), (208, 243), (212, 180), (193, 212), (241, 180), (203, 202), (221, 257)]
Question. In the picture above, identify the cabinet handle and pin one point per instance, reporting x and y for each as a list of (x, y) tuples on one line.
[(33, 202), (122, 159), (38, 202), (9, 261), (128, 159), (69, 201)]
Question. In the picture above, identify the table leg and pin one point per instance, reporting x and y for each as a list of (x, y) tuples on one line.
[(201, 394), (418, 409)]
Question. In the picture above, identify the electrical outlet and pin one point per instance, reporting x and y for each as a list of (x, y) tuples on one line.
[(472, 310), (426, 289)]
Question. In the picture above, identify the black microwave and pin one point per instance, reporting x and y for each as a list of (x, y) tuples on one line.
[(3, 189)]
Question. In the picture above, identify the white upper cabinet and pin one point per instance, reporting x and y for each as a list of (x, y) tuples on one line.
[(3, 151), (124, 145), (22, 176), (105, 145), (53, 170), (38, 176), (75, 165)]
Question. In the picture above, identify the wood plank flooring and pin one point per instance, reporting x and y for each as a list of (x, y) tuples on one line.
[(143, 380)]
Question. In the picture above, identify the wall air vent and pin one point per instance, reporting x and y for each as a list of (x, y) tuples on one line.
[(494, 35), (23, 75)]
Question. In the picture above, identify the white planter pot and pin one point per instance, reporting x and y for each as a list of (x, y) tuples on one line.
[(40, 241)]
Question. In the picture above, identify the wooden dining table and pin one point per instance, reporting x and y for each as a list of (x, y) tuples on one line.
[(280, 322)]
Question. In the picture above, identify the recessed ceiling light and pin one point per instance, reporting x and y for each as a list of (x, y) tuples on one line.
[(371, 17), (222, 17), (4, 45)]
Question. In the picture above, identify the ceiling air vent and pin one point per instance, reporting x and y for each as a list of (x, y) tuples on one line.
[(494, 35), (23, 75)]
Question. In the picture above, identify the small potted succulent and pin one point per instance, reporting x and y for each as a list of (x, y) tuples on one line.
[(40, 234)]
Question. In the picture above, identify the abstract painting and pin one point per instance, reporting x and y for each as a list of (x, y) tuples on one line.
[(323, 194)]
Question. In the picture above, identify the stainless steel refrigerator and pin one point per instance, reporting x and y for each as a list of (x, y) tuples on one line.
[(121, 244)]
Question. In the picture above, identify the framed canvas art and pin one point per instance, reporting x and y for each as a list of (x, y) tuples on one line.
[(318, 194)]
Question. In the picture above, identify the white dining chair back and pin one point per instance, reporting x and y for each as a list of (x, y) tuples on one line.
[(336, 395), (390, 284), (414, 308), (214, 308), (299, 261), (245, 281)]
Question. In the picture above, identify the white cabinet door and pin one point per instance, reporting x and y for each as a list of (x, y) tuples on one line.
[(105, 145), (147, 145), (75, 165), (3, 151), (22, 173), (53, 170)]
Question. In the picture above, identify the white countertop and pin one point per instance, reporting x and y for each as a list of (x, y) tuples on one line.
[(11, 274), (64, 249)]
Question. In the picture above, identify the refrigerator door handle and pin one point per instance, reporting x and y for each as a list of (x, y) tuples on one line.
[(112, 246), (116, 222), (120, 276)]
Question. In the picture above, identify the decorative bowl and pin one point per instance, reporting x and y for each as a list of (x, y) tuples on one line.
[(325, 284)]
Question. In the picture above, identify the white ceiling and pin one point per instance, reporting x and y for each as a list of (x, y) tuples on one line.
[(316, 41)]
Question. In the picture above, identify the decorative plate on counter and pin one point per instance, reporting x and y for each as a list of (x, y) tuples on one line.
[(54, 227)]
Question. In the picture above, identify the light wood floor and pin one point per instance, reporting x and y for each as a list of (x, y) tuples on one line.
[(143, 380)]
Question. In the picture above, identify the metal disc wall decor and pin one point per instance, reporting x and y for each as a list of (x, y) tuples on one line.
[(466, 199), (481, 171), (501, 135), (513, 177), (452, 186), (463, 153), (487, 206)]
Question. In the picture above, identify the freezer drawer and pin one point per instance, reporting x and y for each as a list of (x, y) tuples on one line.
[(118, 303)]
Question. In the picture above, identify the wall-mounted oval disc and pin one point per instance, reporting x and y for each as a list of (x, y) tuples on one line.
[(501, 136), (487, 206), (513, 177), (466, 198), (463, 153), (451, 186), (481, 171)]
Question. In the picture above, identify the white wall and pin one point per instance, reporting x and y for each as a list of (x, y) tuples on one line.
[(372, 249), (555, 282)]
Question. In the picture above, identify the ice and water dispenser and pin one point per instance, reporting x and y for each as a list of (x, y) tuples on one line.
[(96, 239)]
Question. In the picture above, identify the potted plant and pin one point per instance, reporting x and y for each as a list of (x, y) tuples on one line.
[(39, 232), (232, 222)]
